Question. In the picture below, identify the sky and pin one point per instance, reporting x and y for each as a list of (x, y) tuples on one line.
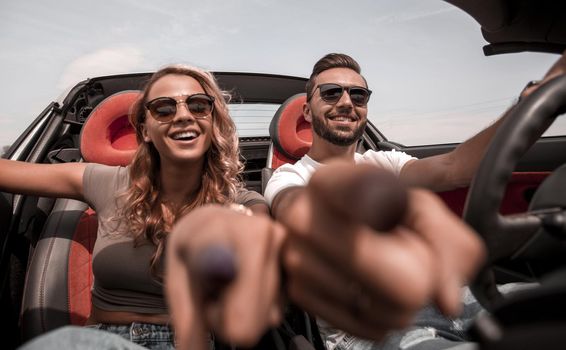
[(422, 58)]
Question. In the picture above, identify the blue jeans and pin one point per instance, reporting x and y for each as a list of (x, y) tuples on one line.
[(136, 336), (73, 337), (150, 336), (431, 330)]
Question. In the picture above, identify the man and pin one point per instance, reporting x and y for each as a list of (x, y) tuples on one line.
[(337, 96)]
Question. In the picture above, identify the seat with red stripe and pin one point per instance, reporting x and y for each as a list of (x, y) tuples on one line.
[(59, 277), (290, 133), (291, 136)]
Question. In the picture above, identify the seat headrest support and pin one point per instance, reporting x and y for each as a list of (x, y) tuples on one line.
[(290, 132), (107, 136)]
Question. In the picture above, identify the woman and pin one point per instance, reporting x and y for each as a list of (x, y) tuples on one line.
[(187, 158)]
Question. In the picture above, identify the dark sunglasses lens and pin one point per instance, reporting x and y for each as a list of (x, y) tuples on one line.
[(199, 106), (330, 92), (359, 96), (163, 109)]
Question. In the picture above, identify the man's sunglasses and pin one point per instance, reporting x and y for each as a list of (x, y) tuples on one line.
[(164, 109), (332, 93)]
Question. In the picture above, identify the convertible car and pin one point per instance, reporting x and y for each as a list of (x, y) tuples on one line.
[(517, 200)]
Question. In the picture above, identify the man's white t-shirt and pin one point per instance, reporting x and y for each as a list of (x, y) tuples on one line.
[(299, 174)]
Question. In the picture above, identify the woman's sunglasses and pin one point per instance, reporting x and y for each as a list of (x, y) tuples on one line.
[(332, 93), (164, 109)]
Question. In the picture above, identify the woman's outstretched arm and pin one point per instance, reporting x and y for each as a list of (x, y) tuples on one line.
[(47, 180)]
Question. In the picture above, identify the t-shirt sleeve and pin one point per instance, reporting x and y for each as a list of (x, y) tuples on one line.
[(102, 184), (393, 160), (249, 198), (283, 177)]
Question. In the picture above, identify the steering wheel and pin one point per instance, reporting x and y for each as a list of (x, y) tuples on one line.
[(511, 235)]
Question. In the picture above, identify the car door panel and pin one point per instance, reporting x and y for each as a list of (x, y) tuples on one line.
[(543, 157)]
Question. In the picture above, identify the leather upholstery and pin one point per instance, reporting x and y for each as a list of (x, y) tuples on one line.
[(59, 277), (290, 133)]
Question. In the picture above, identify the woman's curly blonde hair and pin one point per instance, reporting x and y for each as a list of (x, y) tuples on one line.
[(221, 178)]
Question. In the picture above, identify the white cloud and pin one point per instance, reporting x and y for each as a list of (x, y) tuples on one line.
[(105, 61)]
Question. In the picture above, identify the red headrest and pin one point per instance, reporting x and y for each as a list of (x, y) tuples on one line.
[(290, 132), (107, 136)]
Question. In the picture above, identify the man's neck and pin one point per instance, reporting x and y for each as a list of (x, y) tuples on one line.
[(322, 151)]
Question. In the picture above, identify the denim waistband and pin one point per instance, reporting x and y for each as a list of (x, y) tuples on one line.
[(151, 336)]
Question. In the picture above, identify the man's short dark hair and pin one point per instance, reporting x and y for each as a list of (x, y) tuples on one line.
[(332, 60)]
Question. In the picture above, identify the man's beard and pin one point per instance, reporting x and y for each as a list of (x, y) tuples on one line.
[(336, 137)]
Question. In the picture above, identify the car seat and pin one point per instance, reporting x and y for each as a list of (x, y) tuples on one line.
[(59, 276), (291, 134)]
